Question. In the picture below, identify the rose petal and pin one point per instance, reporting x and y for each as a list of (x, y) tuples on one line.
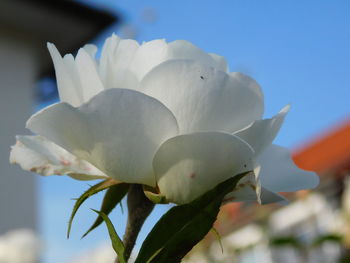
[(124, 62), (152, 53), (77, 80), (269, 197), (278, 173), (247, 193), (88, 76), (116, 57), (203, 98), (189, 165), (247, 189), (182, 49), (68, 85), (91, 50), (261, 133), (37, 154), (118, 131), (220, 62), (147, 56)]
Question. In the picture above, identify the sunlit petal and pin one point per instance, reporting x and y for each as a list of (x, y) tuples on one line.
[(88, 76), (189, 165), (116, 56), (118, 131), (261, 133), (203, 98), (68, 86), (246, 192), (220, 62), (278, 172)]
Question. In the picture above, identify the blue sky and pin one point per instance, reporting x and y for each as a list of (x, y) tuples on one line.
[(297, 50)]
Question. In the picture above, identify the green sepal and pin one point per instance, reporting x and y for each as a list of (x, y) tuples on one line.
[(218, 237), (117, 243), (91, 191), (153, 196), (113, 196), (182, 227)]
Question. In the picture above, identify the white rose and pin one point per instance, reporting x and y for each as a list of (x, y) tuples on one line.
[(160, 114)]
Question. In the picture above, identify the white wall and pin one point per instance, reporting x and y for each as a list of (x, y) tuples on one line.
[(18, 70)]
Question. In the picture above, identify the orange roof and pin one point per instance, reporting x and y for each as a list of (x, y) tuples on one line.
[(330, 151)]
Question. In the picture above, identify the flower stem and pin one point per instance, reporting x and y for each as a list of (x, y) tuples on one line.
[(139, 208)]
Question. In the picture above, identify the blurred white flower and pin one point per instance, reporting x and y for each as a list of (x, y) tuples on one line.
[(19, 246), (161, 114), (346, 197), (104, 253)]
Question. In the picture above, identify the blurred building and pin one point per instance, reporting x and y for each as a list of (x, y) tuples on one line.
[(313, 228), (25, 28)]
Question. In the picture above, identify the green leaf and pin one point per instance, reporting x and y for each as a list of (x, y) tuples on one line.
[(121, 207), (184, 226), (282, 241), (113, 196), (185, 239), (91, 191), (331, 237), (117, 243)]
